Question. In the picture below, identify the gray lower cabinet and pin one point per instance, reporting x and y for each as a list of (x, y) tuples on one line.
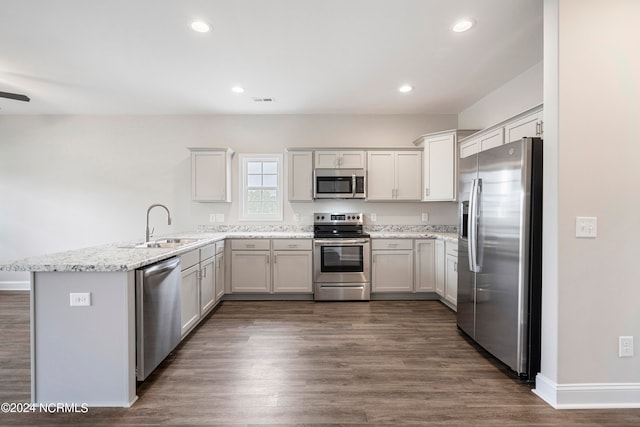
[(425, 262), (189, 291), (202, 284), (392, 265), (271, 266), (440, 268)]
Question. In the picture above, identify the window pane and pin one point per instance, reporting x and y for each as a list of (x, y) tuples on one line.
[(270, 180), (270, 167), (270, 208), (254, 180), (254, 208), (254, 195), (269, 195), (254, 167)]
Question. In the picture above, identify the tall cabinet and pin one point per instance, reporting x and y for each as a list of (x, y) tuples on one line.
[(441, 164)]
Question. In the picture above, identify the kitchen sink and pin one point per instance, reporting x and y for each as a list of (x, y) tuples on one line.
[(162, 243)]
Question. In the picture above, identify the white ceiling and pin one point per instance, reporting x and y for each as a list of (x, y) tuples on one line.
[(311, 56)]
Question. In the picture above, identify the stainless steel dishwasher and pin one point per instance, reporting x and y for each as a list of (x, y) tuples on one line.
[(157, 314)]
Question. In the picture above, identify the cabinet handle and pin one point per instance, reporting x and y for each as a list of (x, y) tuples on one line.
[(275, 259), (250, 246), (393, 245), (426, 192), (268, 259), (293, 245), (455, 267)]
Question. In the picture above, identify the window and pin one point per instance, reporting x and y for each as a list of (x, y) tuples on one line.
[(261, 191)]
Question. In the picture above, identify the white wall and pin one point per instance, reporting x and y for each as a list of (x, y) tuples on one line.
[(517, 95), (591, 288), (74, 181)]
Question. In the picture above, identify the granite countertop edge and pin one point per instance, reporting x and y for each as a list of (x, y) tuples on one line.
[(122, 257)]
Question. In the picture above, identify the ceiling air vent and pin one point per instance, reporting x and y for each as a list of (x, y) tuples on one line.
[(256, 99)]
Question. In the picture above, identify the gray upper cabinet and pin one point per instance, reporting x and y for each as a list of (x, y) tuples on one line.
[(211, 174)]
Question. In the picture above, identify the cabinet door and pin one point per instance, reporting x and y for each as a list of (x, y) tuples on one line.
[(469, 148), (219, 269), (440, 268), (492, 139), (381, 175), (352, 159), (392, 271), (189, 299), (440, 168), (425, 266), (300, 176), (292, 271), (408, 166), (250, 271), (327, 159), (209, 176), (207, 285), (451, 287), (528, 126)]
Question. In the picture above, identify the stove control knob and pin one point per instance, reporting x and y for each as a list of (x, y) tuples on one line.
[(358, 217)]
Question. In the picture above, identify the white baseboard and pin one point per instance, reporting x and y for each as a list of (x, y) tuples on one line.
[(588, 396), (15, 285)]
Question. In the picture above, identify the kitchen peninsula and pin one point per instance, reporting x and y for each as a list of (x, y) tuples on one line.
[(87, 354)]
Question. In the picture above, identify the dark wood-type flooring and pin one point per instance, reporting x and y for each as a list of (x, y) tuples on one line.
[(303, 363)]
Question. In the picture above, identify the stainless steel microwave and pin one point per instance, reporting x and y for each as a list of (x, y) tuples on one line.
[(339, 184)]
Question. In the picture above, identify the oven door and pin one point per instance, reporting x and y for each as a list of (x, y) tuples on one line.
[(342, 261)]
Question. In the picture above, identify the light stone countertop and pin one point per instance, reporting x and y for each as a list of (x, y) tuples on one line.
[(414, 235), (121, 257)]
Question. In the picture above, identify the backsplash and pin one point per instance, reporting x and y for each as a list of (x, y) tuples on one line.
[(309, 228)]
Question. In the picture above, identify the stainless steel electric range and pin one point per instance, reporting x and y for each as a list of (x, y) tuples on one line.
[(341, 257)]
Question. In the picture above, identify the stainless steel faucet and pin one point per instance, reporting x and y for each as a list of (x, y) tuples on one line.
[(148, 233)]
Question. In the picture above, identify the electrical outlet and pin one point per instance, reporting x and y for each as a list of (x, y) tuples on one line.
[(587, 226), (296, 217), (425, 217), (212, 217), (625, 346), (220, 217), (80, 299), (374, 217)]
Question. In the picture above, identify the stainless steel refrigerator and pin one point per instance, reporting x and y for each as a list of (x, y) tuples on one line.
[(499, 252)]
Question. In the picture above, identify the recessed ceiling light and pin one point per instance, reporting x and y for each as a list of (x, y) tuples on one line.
[(405, 88), (462, 25), (200, 26), (237, 89)]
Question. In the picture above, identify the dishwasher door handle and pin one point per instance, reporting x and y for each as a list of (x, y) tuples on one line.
[(161, 267)]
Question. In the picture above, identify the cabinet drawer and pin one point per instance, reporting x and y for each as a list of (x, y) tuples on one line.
[(292, 244), (251, 244), (391, 244), (189, 259), (451, 248), (219, 247), (207, 251)]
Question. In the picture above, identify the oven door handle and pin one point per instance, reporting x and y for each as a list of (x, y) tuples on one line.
[(340, 242)]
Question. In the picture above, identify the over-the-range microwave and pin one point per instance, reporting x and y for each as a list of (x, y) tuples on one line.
[(339, 184)]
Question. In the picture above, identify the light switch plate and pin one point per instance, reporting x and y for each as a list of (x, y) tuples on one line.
[(586, 226), (219, 217), (425, 217), (374, 217), (212, 217)]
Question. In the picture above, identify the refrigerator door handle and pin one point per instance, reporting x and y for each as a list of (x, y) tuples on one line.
[(473, 226)]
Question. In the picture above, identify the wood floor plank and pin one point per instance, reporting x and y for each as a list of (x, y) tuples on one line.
[(304, 363)]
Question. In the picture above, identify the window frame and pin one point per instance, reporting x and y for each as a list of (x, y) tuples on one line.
[(244, 188)]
